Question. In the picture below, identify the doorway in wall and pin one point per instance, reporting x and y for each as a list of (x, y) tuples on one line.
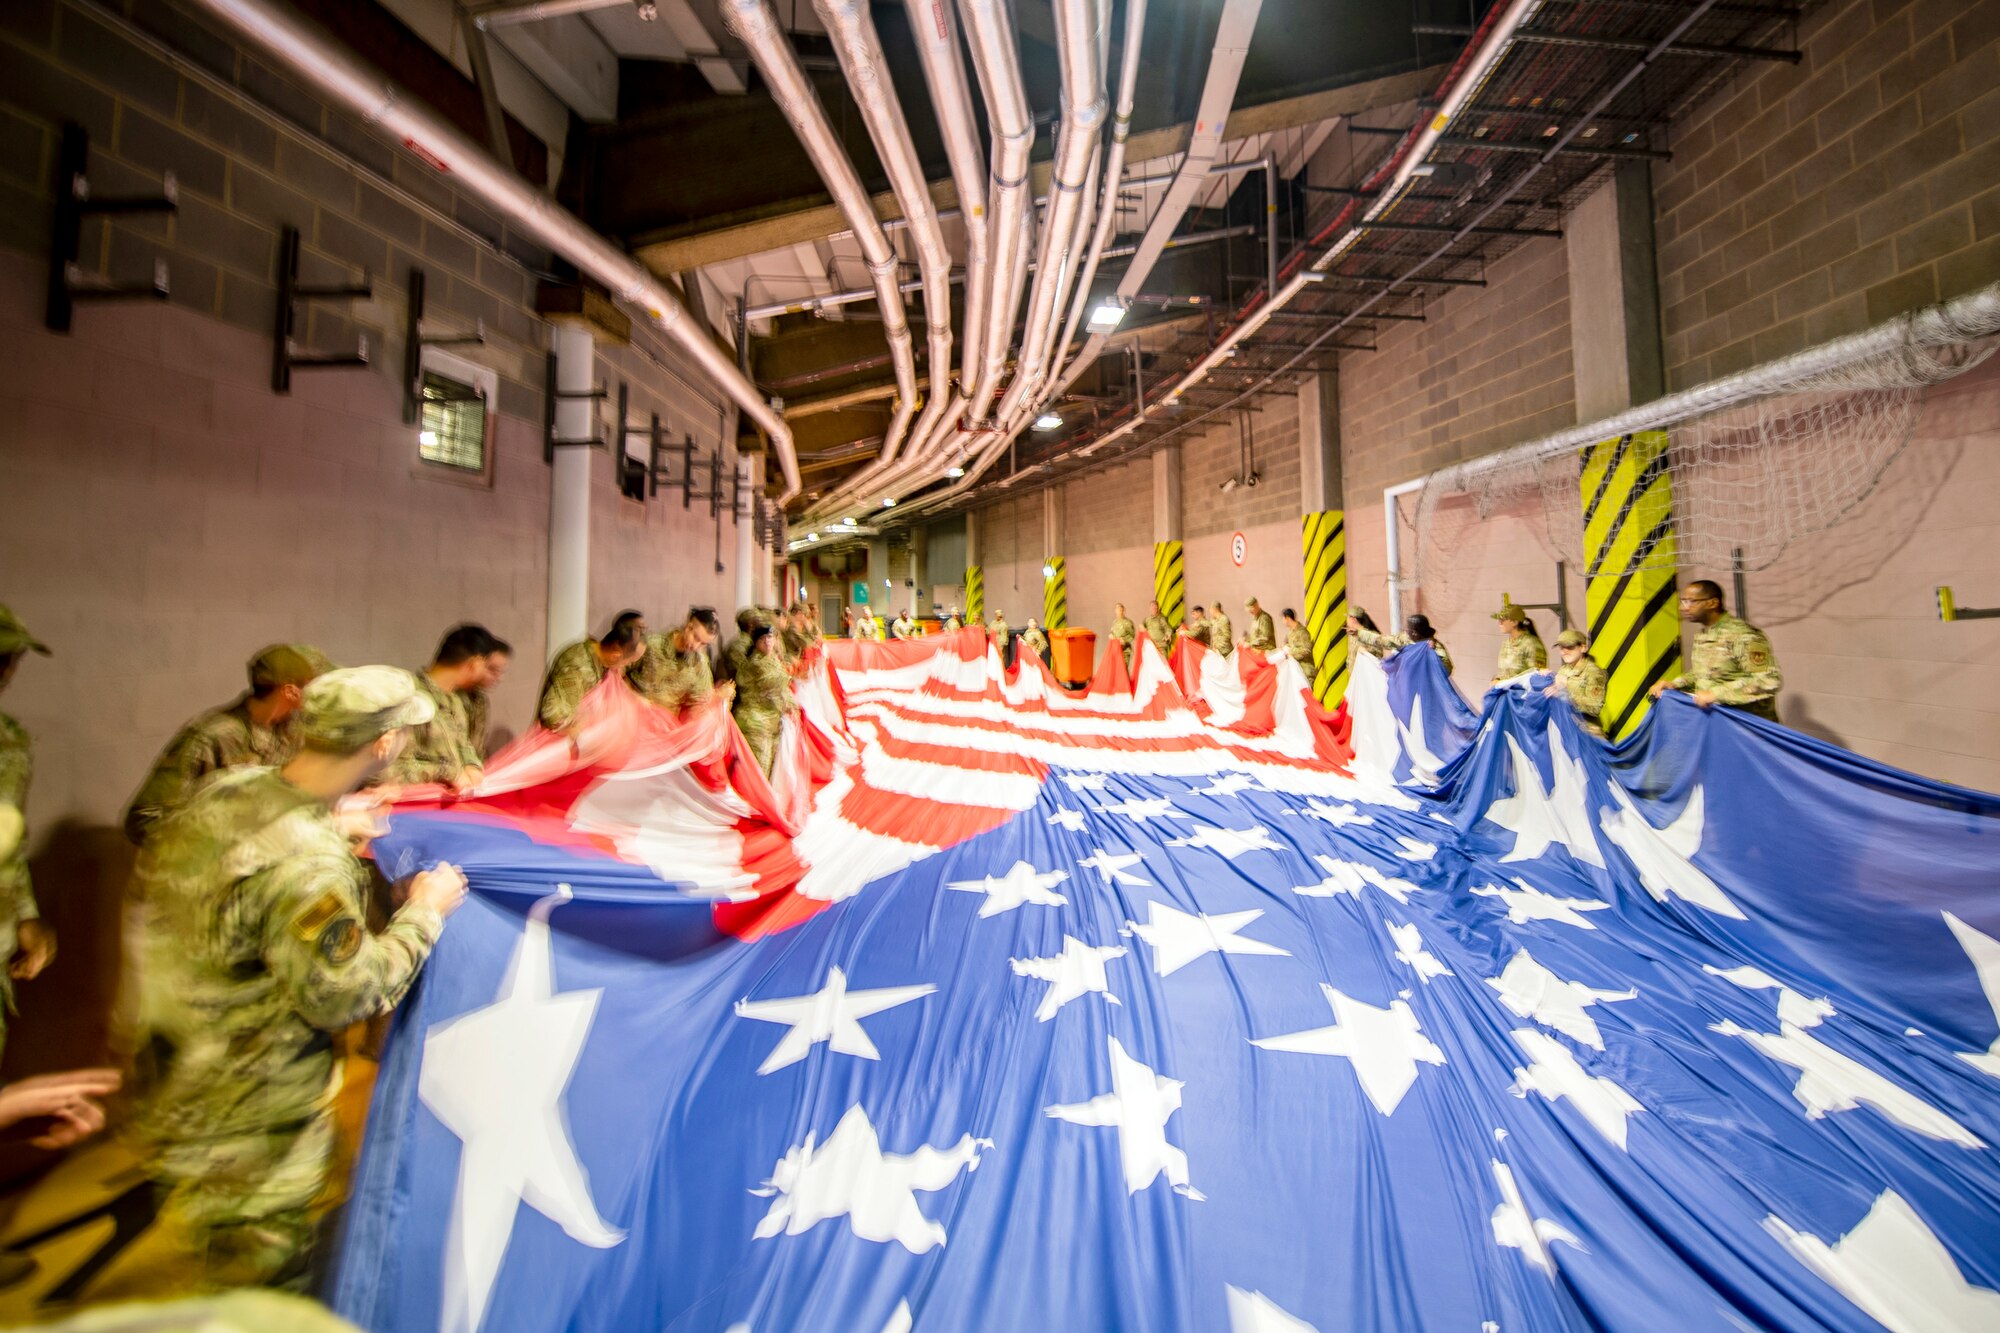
[(829, 613)]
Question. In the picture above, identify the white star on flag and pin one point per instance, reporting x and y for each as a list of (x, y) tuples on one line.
[(1894, 1268), (1228, 784), (1541, 817), (1084, 781), (1229, 842), (1517, 1228), (1022, 884), (1555, 1074), (1254, 1312), (1178, 938), (850, 1176), (1802, 1010), (1350, 877), (1385, 1045), (831, 1014), (1138, 1105), (1830, 1081), (1069, 819), (1143, 809), (1424, 764), (1410, 949), (1984, 951), (1113, 865), (495, 1077), (1664, 857), (1532, 991), (1528, 903), (1415, 849), (1332, 812), (1075, 972)]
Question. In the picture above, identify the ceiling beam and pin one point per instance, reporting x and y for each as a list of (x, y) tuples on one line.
[(698, 249)]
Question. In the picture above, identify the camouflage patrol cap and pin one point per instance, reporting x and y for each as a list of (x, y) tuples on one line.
[(14, 636), (1509, 611), (287, 664), (1572, 638), (350, 707)]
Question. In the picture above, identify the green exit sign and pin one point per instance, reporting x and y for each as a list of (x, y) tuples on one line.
[(860, 593)]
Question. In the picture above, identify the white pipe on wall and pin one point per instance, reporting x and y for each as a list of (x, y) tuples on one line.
[(318, 59), (569, 490)]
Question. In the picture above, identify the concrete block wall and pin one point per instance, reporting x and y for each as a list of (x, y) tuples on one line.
[(1108, 516), (1807, 202), (1490, 367)]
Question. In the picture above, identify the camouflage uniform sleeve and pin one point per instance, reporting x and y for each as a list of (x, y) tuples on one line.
[(570, 678), (1444, 657), (318, 947), (1377, 644), (1585, 687), (17, 772), (1538, 654), (190, 755), (1751, 654)]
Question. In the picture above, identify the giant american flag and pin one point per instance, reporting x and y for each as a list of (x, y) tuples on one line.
[(1179, 1004)]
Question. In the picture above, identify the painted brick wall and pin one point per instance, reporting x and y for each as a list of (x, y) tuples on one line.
[(1807, 202)]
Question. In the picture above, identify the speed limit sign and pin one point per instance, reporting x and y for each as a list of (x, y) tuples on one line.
[(1238, 549)]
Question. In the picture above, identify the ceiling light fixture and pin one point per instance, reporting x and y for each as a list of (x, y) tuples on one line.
[(1048, 421), (812, 536), (1106, 315), (954, 471), (888, 502)]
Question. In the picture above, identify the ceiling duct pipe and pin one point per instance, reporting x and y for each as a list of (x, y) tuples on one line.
[(322, 63), (1218, 95), (1114, 171), (1077, 47), (989, 33), (936, 32), (754, 24), (1475, 66)]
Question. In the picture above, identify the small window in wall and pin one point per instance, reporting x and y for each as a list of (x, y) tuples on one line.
[(455, 417), (453, 428)]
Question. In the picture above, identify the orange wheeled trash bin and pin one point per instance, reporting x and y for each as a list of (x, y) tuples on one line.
[(1074, 650)]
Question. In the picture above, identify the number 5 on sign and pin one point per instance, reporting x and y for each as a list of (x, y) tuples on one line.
[(1238, 549)]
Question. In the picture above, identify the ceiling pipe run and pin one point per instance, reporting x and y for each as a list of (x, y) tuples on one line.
[(754, 24), (322, 63), (859, 50), (989, 34)]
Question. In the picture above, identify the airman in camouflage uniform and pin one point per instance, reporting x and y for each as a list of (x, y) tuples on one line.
[(255, 729), (578, 668), (1263, 636), (1159, 631), (1731, 662), (1038, 642), (795, 634), (255, 949), (1221, 634), (997, 630), (902, 627), (763, 697), (1299, 643), (952, 622), (1379, 644), (1196, 626), (1123, 630), (26, 945), (1580, 680), (675, 672), (1521, 649)]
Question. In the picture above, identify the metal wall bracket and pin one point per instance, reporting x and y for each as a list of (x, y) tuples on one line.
[(1949, 609), (284, 359), (67, 283), (414, 343), (551, 395), (1560, 605)]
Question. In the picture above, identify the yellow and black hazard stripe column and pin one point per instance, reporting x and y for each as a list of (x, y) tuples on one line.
[(1055, 594), (1170, 581), (1630, 555), (1325, 544), (975, 594)]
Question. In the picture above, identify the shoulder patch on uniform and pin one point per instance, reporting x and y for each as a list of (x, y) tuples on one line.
[(1758, 655), (341, 940), (328, 907)]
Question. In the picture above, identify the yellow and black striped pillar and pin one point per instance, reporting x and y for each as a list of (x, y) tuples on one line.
[(975, 594), (1630, 554), (1324, 536), (1170, 581), (1055, 594)]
